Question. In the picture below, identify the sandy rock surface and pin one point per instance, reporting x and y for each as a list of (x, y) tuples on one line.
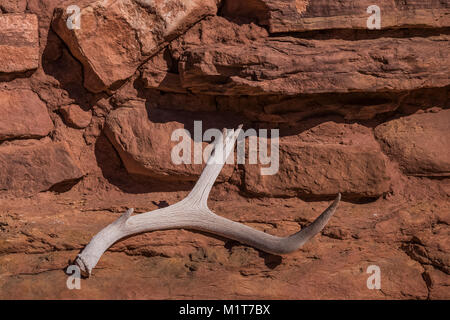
[(87, 116)]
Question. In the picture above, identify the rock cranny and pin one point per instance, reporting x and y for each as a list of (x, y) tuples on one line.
[(311, 164)]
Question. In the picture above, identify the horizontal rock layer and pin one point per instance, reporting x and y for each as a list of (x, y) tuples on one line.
[(291, 66), (306, 15), (179, 264)]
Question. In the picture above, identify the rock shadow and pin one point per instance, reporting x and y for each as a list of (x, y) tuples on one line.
[(59, 63)]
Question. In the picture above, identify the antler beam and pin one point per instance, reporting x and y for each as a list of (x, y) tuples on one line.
[(193, 213)]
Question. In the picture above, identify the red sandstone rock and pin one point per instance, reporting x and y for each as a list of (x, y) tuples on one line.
[(405, 232), (189, 262), (305, 15), (36, 167), (419, 143), (75, 116), (292, 66), (19, 43), (217, 30), (438, 282), (23, 115), (322, 162), (13, 6), (143, 140), (156, 75), (117, 36)]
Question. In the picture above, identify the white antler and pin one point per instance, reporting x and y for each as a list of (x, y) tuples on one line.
[(193, 213)]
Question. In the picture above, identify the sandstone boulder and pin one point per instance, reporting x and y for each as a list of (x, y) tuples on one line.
[(419, 143), (144, 143), (35, 167), (322, 162), (306, 15), (23, 115), (19, 43), (161, 71), (115, 37)]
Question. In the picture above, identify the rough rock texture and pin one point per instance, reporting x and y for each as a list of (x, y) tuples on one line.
[(19, 42), (306, 15), (13, 6), (347, 160), (75, 116), (141, 28), (86, 119), (24, 115), (294, 66), (156, 74), (30, 168), (419, 143), (179, 264), (138, 142)]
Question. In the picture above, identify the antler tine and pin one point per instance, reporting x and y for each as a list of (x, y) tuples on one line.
[(276, 245), (200, 193), (193, 213)]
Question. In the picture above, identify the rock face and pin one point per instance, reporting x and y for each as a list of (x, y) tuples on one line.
[(419, 143), (13, 6), (347, 160), (156, 74), (146, 146), (291, 66), (141, 28), (24, 115), (75, 116), (88, 128), (306, 15), (29, 169), (19, 43), (188, 263)]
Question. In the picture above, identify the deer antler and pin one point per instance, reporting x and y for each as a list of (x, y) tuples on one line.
[(193, 213)]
